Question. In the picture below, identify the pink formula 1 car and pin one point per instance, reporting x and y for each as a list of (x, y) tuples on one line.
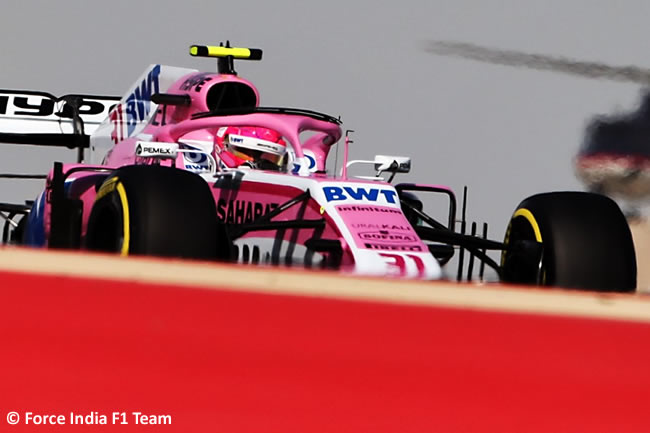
[(187, 164)]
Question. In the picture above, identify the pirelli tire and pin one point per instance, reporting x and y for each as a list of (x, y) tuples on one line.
[(570, 239), (155, 210)]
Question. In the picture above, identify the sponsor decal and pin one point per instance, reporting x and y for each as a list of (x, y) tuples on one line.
[(310, 159), (195, 161), (43, 105), (275, 148), (355, 208), (196, 81), (384, 235), (336, 193), (136, 107), (382, 226), (242, 211), (256, 143), (22, 107), (160, 118), (117, 120), (138, 103), (156, 150), (392, 247), (229, 181)]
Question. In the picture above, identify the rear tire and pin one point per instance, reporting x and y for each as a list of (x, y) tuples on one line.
[(154, 210), (585, 243)]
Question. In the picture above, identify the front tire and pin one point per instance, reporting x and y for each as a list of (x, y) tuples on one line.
[(570, 239), (154, 210)]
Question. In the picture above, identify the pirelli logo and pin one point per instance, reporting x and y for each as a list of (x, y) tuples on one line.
[(392, 247)]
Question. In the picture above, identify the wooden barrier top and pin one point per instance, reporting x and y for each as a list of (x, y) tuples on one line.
[(284, 281)]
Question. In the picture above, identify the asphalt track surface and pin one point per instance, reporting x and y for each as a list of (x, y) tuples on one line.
[(242, 349)]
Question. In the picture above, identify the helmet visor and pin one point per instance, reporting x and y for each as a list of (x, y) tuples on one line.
[(253, 149), (251, 155)]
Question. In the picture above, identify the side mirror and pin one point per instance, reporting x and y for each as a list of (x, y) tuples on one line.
[(394, 164)]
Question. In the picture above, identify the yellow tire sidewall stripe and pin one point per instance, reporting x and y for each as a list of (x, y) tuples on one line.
[(125, 219), (107, 187), (528, 215)]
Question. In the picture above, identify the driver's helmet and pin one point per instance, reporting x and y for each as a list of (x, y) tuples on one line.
[(250, 146)]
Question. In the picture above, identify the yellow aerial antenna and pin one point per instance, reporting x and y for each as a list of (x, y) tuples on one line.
[(225, 55)]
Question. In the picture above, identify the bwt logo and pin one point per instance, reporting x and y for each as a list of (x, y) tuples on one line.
[(138, 103), (334, 193)]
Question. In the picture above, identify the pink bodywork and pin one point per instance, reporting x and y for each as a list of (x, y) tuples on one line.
[(177, 123), (375, 226)]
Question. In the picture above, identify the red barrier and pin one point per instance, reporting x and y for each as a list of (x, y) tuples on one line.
[(231, 361)]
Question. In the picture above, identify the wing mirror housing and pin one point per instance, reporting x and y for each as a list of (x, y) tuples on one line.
[(394, 164)]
